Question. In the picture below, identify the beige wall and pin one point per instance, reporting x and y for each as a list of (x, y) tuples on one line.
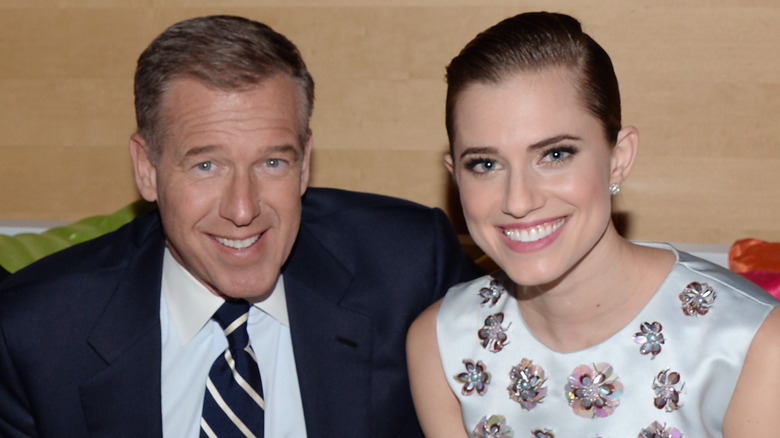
[(700, 79)]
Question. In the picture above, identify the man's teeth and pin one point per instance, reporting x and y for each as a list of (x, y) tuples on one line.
[(532, 234), (237, 244)]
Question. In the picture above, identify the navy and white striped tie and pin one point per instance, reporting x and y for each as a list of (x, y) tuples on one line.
[(233, 405)]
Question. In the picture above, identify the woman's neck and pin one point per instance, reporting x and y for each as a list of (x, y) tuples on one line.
[(598, 297)]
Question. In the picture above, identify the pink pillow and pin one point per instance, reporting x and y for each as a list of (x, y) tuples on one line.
[(770, 281)]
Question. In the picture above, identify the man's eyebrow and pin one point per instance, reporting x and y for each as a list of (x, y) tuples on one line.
[(286, 148), (200, 150)]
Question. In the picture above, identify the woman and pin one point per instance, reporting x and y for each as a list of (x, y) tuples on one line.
[(582, 333)]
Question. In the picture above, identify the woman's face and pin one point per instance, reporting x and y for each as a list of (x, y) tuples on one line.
[(533, 168)]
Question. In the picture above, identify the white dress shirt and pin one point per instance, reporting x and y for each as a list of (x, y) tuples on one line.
[(191, 342)]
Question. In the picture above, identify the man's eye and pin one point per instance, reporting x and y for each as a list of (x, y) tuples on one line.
[(205, 166), (276, 166)]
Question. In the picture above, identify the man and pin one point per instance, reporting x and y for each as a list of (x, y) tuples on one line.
[(114, 337)]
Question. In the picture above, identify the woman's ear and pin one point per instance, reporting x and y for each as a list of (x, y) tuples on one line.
[(623, 154), (449, 164), (144, 168)]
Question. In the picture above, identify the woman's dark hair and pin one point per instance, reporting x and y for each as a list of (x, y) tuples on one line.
[(531, 42)]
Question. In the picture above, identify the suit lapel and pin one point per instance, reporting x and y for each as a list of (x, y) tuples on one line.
[(124, 398), (332, 344)]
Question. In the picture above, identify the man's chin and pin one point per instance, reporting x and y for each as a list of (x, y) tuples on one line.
[(252, 291)]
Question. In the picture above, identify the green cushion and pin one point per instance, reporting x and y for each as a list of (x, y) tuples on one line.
[(20, 250)]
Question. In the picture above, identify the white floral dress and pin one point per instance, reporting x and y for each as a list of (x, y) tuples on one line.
[(668, 373)]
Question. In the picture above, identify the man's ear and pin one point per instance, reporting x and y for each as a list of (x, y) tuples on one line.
[(623, 154), (144, 168), (306, 164)]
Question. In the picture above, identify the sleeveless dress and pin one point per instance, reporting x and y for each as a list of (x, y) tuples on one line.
[(669, 373)]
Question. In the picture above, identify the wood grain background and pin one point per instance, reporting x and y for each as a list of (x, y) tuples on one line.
[(701, 80)]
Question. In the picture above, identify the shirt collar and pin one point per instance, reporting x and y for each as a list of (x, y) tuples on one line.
[(191, 305)]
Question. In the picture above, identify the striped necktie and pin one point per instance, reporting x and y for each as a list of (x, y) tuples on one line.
[(233, 405)]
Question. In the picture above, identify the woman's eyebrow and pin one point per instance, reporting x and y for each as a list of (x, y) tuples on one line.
[(478, 150), (552, 140)]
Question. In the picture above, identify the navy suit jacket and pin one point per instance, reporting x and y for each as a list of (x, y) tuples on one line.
[(80, 340), (3, 274)]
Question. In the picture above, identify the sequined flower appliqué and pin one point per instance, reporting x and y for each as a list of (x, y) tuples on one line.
[(542, 433), (474, 379), (667, 396), (697, 299), (658, 430), (594, 392), (493, 427), (527, 387), (492, 293), (650, 338), (493, 334)]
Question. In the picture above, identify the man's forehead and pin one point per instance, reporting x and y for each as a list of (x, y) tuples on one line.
[(191, 104)]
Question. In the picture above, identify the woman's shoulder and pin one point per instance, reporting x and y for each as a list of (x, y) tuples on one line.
[(701, 273), (724, 281), (473, 294)]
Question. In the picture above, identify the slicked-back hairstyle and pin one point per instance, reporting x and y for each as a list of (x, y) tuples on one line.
[(529, 43), (225, 52)]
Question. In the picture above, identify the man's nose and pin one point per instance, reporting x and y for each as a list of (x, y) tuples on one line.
[(240, 202)]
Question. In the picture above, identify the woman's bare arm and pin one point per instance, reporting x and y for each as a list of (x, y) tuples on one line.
[(753, 408), (437, 406)]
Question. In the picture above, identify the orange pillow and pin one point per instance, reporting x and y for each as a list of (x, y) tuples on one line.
[(754, 255), (758, 261)]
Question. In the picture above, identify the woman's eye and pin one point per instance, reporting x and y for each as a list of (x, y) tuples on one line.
[(559, 154), (481, 165)]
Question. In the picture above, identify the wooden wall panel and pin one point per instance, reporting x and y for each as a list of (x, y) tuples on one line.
[(700, 80)]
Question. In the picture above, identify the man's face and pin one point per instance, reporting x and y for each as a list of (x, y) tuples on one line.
[(229, 182)]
